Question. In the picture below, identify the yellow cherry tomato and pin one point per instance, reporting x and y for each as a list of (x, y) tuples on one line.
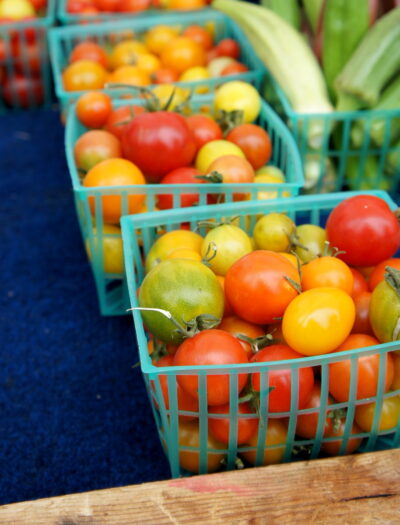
[(224, 245), (171, 241), (272, 171), (388, 418), (164, 92), (270, 179), (238, 95), (147, 62), (213, 150), (158, 37), (196, 74), (318, 321), (184, 253), (113, 259), (125, 53)]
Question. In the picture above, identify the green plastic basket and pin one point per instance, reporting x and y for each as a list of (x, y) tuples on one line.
[(66, 18), (63, 39), (25, 50), (111, 288), (304, 209), (337, 148)]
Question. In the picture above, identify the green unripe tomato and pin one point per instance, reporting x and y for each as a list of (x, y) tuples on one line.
[(274, 232), (384, 312), (183, 287), (224, 245), (313, 238)]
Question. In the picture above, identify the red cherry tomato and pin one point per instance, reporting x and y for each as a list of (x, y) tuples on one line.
[(255, 143), (234, 69), (280, 381), (179, 176), (204, 129), (228, 47), (378, 272), (360, 284), (362, 324), (158, 143), (219, 428), (22, 91), (365, 229), (211, 347)]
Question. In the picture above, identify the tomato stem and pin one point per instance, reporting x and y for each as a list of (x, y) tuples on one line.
[(228, 120), (294, 284), (215, 177), (257, 343), (392, 277)]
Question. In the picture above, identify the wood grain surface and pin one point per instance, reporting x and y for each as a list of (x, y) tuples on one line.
[(359, 489)]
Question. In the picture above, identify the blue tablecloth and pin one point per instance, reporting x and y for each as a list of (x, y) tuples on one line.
[(74, 415)]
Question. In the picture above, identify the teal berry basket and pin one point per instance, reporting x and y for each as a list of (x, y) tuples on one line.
[(111, 287), (63, 39), (347, 150), (66, 18), (25, 71), (277, 435)]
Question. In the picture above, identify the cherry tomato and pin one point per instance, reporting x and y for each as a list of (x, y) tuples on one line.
[(200, 35), (396, 378), (158, 143), (115, 172), (189, 457), (204, 129), (185, 402), (378, 273), (276, 435), (279, 399), (362, 323), (134, 6), (224, 245), (327, 271), (360, 284), (130, 75), (83, 75), (113, 257), (186, 5), (211, 347), (236, 326), (182, 53), (318, 320), (219, 428), (365, 228), (89, 51), (227, 306), (389, 415), (186, 289), (169, 242), (235, 68), (228, 47), (257, 288), (179, 176), (254, 141), (233, 169), (214, 149), (125, 52), (384, 309), (158, 37), (274, 232), (119, 119), (332, 448), (311, 241), (164, 75), (367, 370), (238, 96), (307, 424), (108, 6), (93, 109), (95, 146)]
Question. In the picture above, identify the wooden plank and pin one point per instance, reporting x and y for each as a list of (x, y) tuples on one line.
[(359, 489)]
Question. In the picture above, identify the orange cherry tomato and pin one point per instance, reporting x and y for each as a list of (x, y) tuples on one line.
[(233, 169), (89, 51), (130, 75), (228, 310), (235, 325), (186, 5), (332, 448), (235, 68), (158, 37), (95, 146), (134, 6), (367, 370), (93, 109), (84, 75), (327, 271), (378, 272), (182, 53), (110, 6), (115, 172), (124, 53), (164, 75)]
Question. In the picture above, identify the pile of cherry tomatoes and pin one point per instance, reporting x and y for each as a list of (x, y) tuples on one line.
[(277, 292), (163, 54), (114, 7), (23, 52)]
